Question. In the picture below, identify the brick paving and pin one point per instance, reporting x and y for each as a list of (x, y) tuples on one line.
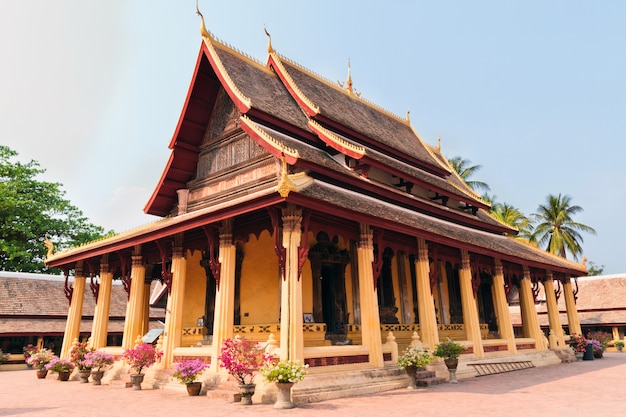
[(572, 390)]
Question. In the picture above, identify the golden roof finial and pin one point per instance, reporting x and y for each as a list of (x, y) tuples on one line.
[(408, 115), (349, 80), (270, 49), (439, 143), (48, 244), (205, 33), (285, 185)]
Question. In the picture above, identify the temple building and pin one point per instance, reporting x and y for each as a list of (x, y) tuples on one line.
[(296, 213)]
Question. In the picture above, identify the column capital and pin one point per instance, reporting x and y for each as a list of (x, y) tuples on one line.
[(497, 267), (422, 249), (292, 218), (465, 259), (366, 237), (226, 232)]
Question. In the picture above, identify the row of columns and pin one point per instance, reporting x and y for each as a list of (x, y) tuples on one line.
[(291, 340)]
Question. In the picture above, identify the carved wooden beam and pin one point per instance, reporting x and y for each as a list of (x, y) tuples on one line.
[(68, 289), (377, 264)]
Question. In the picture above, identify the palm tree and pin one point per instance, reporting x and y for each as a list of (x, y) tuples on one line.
[(465, 170), (512, 216), (556, 228)]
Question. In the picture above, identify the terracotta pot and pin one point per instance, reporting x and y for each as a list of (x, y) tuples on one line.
[(136, 380), (247, 391), (283, 395), (64, 375), (451, 363), (96, 377), (41, 373), (194, 388)]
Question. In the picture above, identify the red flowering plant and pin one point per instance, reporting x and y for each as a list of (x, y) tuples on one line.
[(188, 371), (141, 356), (578, 342), (241, 358)]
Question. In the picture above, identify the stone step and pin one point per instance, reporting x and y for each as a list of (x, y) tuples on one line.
[(427, 382)]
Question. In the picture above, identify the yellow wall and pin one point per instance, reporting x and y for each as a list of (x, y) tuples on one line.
[(260, 281), (195, 290)]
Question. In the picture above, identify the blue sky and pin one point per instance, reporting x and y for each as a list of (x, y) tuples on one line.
[(533, 91)]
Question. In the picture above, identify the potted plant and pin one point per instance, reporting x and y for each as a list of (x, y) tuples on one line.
[(596, 345), (29, 350), (187, 372), (4, 357), (450, 352), (241, 358), (98, 361), (63, 367), (414, 358), (39, 360), (141, 356), (77, 357), (619, 345), (579, 344), (284, 374)]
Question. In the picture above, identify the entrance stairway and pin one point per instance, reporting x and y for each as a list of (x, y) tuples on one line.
[(427, 378)]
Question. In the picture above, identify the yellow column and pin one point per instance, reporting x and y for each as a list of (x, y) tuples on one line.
[(224, 317), (100, 327), (175, 304), (370, 319), (530, 321), (470, 308), (75, 312), (502, 308), (425, 302), (291, 337), (133, 326), (570, 306), (553, 311)]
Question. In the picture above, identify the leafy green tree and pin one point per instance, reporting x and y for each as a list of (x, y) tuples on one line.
[(465, 170), (512, 216), (30, 211), (556, 229), (594, 269)]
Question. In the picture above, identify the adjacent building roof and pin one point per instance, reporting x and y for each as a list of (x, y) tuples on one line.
[(36, 304)]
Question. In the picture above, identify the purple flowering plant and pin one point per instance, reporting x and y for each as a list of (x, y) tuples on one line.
[(60, 365), (77, 355), (141, 356), (596, 345), (241, 358), (98, 360), (449, 349), (188, 371)]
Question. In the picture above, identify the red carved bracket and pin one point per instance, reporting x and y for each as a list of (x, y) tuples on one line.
[(558, 290), (280, 250), (166, 274), (95, 288), (576, 290), (214, 264), (125, 268), (377, 264), (68, 289), (303, 251), (535, 290)]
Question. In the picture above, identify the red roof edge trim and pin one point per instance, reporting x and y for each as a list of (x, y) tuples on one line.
[(258, 137), (148, 208), (289, 85)]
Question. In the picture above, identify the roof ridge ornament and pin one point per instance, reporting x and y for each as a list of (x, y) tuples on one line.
[(349, 80), (205, 33), (270, 49), (408, 116), (439, 143)]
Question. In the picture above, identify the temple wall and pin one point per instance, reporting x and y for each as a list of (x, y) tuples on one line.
[(195, 289), (260, 281)]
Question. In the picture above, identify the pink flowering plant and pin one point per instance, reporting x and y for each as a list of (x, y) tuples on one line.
[(78, 352), (578, 342), (98, 360), (40, 359), (29, 350), (241, 358), (188, 371), (60, 365), (141, 356)]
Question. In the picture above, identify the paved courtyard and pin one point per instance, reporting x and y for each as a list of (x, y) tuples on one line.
[(577, 389)]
